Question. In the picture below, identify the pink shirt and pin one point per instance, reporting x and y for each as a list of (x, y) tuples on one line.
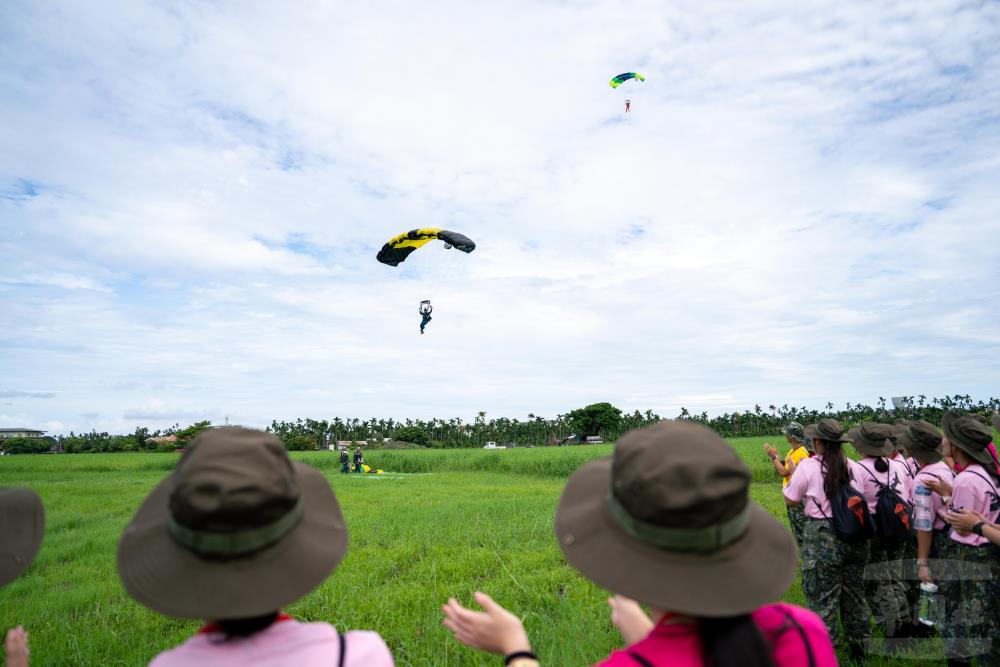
[(806, 486), (867, 481), (286, 642), (932, 472), (679, 645), (974, 489)]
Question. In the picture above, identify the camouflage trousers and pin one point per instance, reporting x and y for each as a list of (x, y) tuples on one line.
[(972, 624), (797, 522), (885, 587), (833, 581)]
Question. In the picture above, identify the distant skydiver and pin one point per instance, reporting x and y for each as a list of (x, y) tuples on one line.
[(628, 103), (345, 461), (358, 460), (425, 311)]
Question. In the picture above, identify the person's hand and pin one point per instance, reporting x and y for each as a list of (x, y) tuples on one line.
[(790, 467), (770, 451), (16, 647), (964, 520), (938, 486), (494, 630), (924, 573), (631, 621)]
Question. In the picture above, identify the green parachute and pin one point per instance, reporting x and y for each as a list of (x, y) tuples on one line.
[(398, 248), (622, 78)]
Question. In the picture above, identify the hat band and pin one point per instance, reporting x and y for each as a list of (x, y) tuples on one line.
[(237, 543), (706, 539)]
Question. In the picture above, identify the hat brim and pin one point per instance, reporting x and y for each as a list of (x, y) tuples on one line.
[(915, 449), (23, 528), (164, 576), (854, 437), (755, 570), (978, 455)]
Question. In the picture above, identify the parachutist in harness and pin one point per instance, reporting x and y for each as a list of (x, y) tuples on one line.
[(425, 311)]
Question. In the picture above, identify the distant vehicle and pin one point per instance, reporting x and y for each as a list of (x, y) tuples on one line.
[(492, 445), (577, 439)]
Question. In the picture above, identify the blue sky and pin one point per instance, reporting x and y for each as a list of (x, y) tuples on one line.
[(802, 206)]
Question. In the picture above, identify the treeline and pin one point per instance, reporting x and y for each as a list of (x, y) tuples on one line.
[(599, 419)]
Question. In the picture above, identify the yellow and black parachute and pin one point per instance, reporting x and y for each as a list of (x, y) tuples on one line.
[(398, 248)]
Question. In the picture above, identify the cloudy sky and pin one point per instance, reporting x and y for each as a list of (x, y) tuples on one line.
[(803, 205)]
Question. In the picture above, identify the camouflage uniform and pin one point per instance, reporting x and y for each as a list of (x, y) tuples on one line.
[(972, 627), (797, 522), (832, 580), (885, 589)]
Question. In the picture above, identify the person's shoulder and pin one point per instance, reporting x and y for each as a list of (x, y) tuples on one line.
[(782, 616), (366, 647), (809, 464), (182, 654)]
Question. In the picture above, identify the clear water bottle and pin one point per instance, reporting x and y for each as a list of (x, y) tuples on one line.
[(923, 515), (928, 604)]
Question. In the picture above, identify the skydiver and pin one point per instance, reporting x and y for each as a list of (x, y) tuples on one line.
[(628, 103), (359, 459), (425, 314)]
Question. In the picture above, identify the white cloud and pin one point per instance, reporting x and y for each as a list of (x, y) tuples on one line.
[(797, 208)]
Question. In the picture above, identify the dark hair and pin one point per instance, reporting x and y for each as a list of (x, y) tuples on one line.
[(881, 464), (835, 473), (238, 628), (733, 641)]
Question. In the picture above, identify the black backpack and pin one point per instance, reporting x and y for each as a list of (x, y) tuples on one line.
[(852, 522), (893, 514)]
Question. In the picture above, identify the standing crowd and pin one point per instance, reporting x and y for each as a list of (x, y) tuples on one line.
[(914, 517), (238, 531)]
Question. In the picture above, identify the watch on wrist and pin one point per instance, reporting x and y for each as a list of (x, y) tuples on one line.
[(978, 528)]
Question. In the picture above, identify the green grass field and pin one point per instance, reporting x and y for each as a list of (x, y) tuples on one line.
[(452, 522)]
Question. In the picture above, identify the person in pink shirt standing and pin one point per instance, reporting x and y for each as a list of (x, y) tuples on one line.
[(973, 631), (667, 521), (885, 590), (832, 568), (933, 553), (237, 532)]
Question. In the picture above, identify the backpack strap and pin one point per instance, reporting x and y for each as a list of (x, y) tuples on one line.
[(791, 623), (874, 478), (992, 485), (638, 658), (343, 649)]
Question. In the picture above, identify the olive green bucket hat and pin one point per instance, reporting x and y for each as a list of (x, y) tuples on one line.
[(237, 530), (667, 520), (970, 433), (873, 439), (829, 430), (22, 527), (921, 439)]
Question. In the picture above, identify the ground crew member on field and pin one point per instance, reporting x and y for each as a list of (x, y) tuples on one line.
[(801, 449), (345, 461), (358, 460)]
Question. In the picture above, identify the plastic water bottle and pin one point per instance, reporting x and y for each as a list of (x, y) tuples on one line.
[(923, 515), (928, 604)]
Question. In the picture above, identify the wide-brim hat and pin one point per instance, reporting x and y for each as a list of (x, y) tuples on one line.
[(22, 528), (237, 530), (829, 430), (873, 439), (921, 439), (667, 521), (970, 434)]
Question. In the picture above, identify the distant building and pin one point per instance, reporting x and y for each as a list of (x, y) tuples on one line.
[(161, 439), (20, 433)]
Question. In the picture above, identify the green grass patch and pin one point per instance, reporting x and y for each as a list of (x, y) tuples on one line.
[(482, 520)]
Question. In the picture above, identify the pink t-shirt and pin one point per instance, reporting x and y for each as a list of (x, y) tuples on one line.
[(679, 645), (867, 481), (932, 472), (974, 489), (806, 486), (286, 642)]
